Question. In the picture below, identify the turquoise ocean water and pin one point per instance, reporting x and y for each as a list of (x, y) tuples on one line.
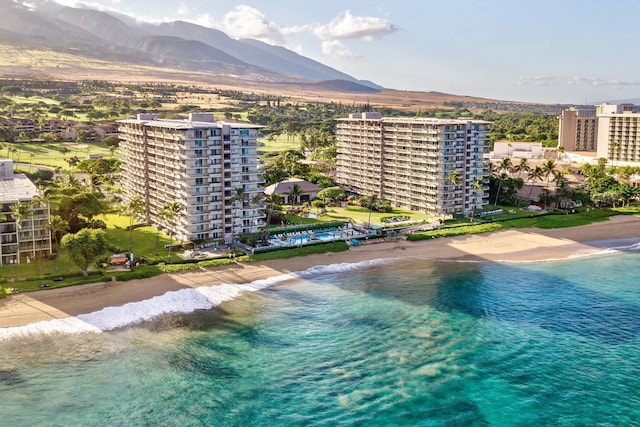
[(390, 342)]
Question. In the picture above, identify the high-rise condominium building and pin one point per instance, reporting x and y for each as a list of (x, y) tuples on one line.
[(24, 233), (609, 130), (578, 130), (423, 164), (210, 168), (619, 137)]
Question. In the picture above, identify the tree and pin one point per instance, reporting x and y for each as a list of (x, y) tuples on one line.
[(331, 195), (372, 200), (614, 149), (455, 179), (548, 167), (239, 197), (84, 246), (19, 212), (57, 225), (522, 166), (535, 174), (169, 213), (134, 208), (501, 170), (478, 186), (294, 194)]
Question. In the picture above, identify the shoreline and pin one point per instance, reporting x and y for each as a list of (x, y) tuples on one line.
[(517, 245)]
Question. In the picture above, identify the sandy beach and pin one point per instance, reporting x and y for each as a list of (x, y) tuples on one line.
[(510, 245)]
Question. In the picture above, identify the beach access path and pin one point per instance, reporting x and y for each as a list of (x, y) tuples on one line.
[(511, 245)]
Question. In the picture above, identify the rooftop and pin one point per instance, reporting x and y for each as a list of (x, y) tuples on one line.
[(17, 188)]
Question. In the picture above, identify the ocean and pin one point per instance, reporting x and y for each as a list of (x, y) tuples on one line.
[(380, 343)]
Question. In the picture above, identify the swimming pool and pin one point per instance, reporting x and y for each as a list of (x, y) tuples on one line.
[(300, 239), (329, 236)]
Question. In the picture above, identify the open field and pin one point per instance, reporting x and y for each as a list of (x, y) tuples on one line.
[(37, 153), (280, 143)]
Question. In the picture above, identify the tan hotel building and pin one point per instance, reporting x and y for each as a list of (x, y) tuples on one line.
[(409, 161), (199, 163), (611, 131)]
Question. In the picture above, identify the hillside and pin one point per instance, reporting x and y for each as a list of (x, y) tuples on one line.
[(64, 43)]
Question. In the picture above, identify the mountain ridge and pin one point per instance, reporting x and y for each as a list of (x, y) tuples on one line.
[(177, 44), (60, 42)]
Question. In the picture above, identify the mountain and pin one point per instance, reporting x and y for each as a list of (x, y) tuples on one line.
[(177, 45), (275, 58)]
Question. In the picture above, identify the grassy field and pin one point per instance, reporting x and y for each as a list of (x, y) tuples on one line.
[(280, 143), (144, 245), (357, 214), (45, 154)]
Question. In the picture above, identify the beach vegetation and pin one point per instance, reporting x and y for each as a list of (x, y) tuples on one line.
[(84, 247)]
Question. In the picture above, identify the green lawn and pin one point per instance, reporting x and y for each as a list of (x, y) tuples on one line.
[(280, 143), (358, 214), (144, 245), (38, 153)]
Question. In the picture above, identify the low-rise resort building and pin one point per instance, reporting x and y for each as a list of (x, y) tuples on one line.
[(24, 232)]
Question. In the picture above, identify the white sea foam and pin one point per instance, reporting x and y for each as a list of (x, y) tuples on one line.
[(182, 301)]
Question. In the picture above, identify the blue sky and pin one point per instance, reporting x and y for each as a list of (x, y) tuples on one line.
[(569, 51)]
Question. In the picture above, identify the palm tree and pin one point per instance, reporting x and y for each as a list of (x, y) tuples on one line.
[(535, 174), (548, 167), (57, 225), (561, 151), (478, 186), (239, 197), (455, 179), (502, 169), (20, 211), (256, 203), (169, 213), (294, 194), (523, 166), (372, 200), (134, 208), (615, 151)]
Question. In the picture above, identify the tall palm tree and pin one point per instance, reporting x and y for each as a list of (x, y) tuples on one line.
[(535, 174), (372, 200), (19, 212), (522, 166), (477, 186), (256, 203), (548, 167), (134, 208), (169, 213), (57, 225), (503, 167), (615, 150), (238, 200), (455, 179)]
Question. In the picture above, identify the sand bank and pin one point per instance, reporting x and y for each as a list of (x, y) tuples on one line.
[(510, 245)]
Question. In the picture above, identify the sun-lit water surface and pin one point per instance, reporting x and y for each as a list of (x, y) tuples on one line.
[(391, 343)]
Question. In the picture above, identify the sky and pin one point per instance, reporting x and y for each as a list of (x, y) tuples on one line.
[(547, 51)]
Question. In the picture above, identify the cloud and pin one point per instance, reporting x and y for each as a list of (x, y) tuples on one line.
[(183, 9), (336, 49), (347, 26), (538, 81), (586, 80), (247, 22)]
